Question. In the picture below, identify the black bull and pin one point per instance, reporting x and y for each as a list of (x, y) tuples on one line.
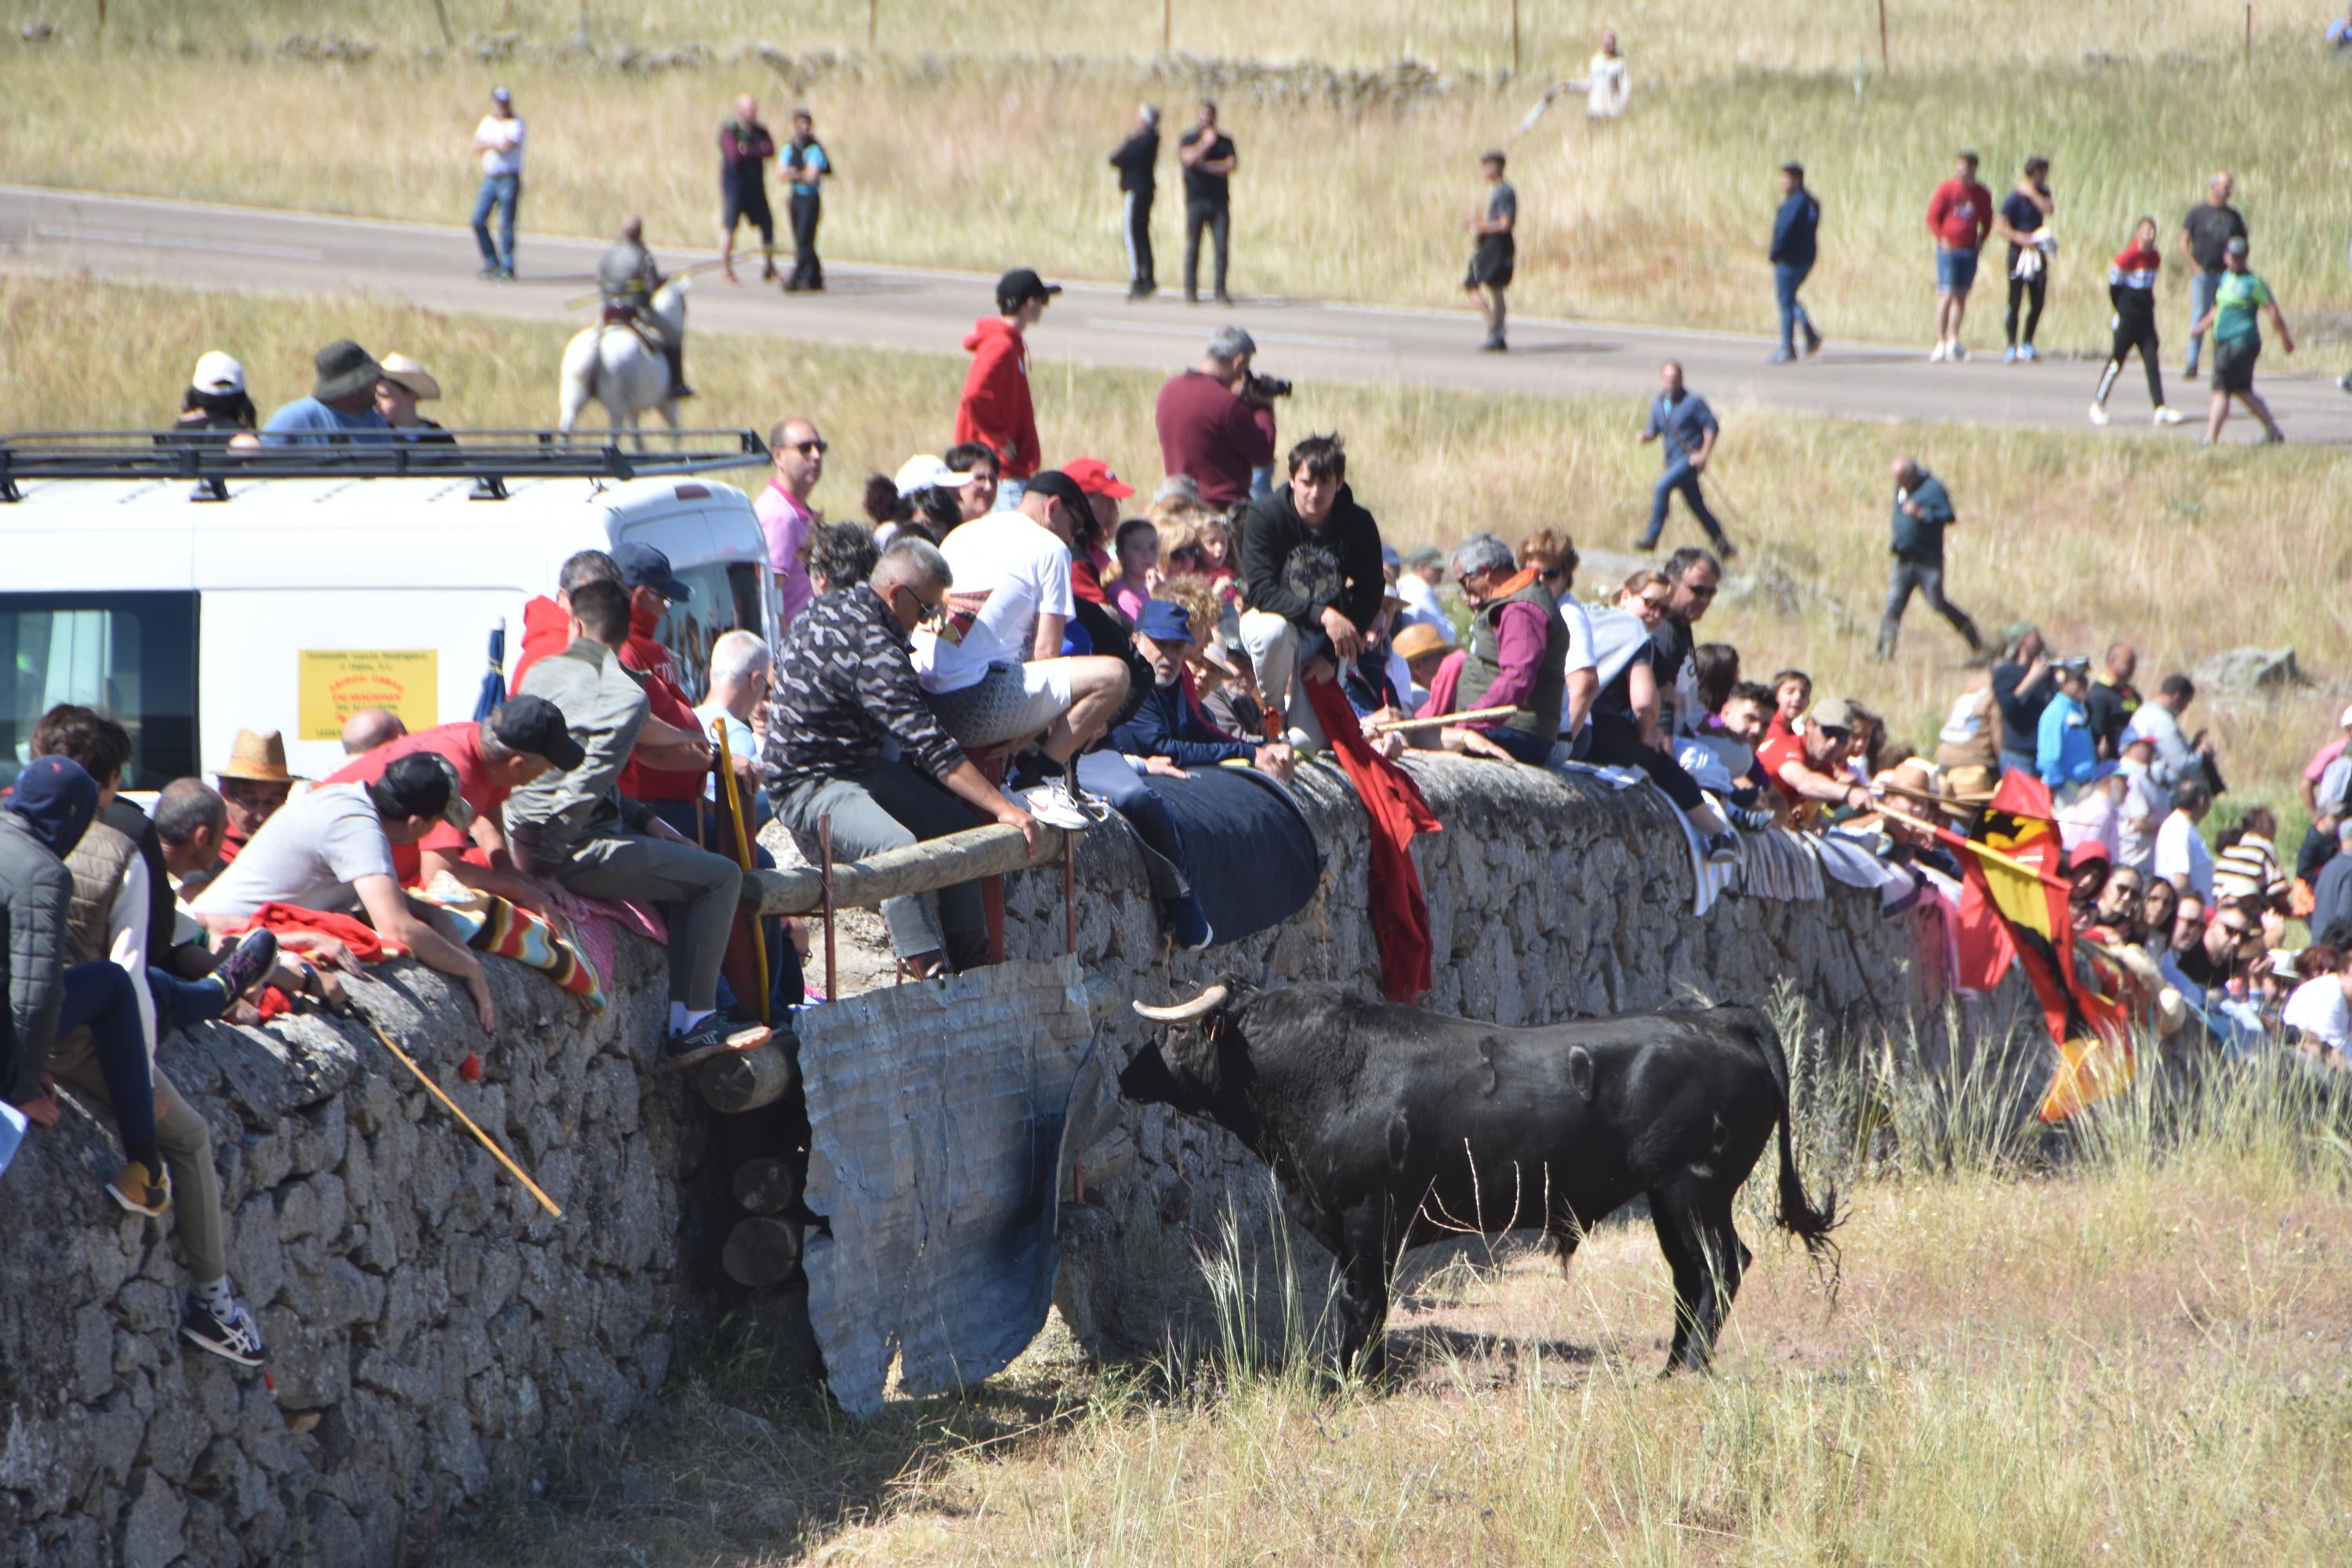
[(1388, 1126)]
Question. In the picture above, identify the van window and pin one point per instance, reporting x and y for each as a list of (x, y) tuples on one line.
[(726, 598), (132, 656)]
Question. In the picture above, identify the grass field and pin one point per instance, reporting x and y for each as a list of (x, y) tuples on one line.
[(2187, 553), (2138, 1359), (982, 158)]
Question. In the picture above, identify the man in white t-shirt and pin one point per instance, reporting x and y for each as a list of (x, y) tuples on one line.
[(332, 850), (499, 140), (993, 664), (2143, 808), (2181, 857)]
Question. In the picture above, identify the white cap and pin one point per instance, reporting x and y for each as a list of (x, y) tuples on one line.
[(2344, 719), (925, 471), (216, 373)]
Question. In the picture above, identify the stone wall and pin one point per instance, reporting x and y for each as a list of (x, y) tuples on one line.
[(433, 1333), (431, 1330), (1550, 896)]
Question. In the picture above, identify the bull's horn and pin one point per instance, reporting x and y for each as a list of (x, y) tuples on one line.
[(1200, 1006)]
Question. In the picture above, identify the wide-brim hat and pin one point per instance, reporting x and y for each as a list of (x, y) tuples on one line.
[(1416, 640), (344, 368), (418, 380), (257, 756)]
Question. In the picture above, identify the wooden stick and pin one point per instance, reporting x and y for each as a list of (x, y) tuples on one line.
[(1920, 794), (1470, 716), (1985, 851), (485, 1140)]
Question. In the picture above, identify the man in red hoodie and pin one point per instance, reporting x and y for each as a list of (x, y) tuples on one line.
[(1959, 215), (668, 774), (547, 623), (995, 409)]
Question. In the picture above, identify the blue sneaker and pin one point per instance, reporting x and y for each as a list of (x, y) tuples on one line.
[(1783, 356)]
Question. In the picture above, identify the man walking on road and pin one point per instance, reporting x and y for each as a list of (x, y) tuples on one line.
[(1491, 263), (744, 149), (2205, 236), (1794, 230), (499, 140), (1137, 159), (1209, 159), (1959, 215), (2234, 316), (806, 163), (1683, 420), (1922, 512)]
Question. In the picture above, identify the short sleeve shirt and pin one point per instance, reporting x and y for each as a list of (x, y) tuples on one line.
[(461, 744), (2018, 211), (786, 523), (1502, 201), (309, 854), (2210, 229), (1778, 753), (808, 166), (502, 138), (2236, 304), (1200, 185), (2181, 851), (1008, 571), (2319, 1009)]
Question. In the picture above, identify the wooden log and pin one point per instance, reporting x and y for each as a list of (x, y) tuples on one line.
[(767, 1186), (748, 1081), (990, 851), (761, 1252)]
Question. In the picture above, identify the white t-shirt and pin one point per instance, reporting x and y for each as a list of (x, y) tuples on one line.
[(2319, 1009), (2181, 852), (1422, 606), (505, 142), (308, 853), (1008, 571), (1579, 652), (1606, 88)]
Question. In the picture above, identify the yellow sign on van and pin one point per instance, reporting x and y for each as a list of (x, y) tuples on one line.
[(338, 682)]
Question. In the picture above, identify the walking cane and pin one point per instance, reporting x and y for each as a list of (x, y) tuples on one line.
[(482, 1136)]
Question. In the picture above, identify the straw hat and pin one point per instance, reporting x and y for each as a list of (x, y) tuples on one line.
[(1417, 639), (257, 756), (412, 375)]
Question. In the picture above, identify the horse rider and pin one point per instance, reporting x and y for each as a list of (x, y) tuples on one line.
[(628, 278)]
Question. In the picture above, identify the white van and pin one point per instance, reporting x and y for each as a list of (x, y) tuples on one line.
[(287, 589)]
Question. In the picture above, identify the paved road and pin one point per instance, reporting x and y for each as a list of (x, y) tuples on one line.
[(192, 245)]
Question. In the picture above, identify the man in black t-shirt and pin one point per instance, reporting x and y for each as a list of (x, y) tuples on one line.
[(1209, 159), (1491, 263), (2023, 220), (2205, 236)]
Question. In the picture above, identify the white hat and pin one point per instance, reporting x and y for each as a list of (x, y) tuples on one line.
[(410, 375), (215, 373), (2344, 719), (925, 471)]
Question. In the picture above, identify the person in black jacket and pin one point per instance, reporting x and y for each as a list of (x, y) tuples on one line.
[(2022, 685), (1312, 579), (1136, 159), (1793, 231)]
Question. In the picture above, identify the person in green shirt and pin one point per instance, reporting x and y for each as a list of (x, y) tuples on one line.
[(2233, 319)]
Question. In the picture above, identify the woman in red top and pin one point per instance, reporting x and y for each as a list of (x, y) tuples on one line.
[(2131, 286)]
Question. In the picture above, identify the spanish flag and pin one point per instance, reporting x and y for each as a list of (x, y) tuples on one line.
[(2014, 910)]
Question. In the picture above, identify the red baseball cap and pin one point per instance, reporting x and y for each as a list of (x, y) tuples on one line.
[(1093, 475)]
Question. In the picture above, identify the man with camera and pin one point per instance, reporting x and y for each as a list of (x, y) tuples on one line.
[(1216, 421)]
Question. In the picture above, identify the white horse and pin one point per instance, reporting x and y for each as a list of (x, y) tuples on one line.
[(610, 364)]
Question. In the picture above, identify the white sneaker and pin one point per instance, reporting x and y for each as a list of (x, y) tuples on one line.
[(2169, 416), (2028, 352), (1936, 355), (1054, 804), (2098, 413), (1957, 353)]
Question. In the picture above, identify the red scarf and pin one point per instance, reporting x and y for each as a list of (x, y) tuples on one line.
[(1393, 801)]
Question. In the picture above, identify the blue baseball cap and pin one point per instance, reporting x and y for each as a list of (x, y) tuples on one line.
[(643, 567), (1164, 622)]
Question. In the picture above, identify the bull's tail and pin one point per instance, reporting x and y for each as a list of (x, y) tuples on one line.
[(1798, 1214)]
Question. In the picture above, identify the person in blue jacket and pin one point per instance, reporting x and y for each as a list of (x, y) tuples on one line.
[(1793, 231), (2066, 753), (1166, 724)]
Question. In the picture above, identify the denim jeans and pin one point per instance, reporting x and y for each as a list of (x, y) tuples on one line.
[(2202, 286), (98, 997), (502, 191), (1786, 281), (179, 1002), (1681, 478)]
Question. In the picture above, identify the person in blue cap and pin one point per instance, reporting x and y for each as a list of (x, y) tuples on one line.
[(1167, 724)]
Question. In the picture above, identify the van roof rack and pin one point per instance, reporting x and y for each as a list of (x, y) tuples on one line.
[(489, 458)]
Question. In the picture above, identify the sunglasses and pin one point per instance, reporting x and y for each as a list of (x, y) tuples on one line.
[(1701, 592), (810, 448), (1551, 574)]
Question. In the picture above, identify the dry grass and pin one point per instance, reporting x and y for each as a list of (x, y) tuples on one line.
[(980, 160), (2138, 1361), (2187, 553)]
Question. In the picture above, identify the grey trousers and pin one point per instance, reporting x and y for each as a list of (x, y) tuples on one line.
[(699, 892), (186, 1142), (889, 806), (1928, 579)]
